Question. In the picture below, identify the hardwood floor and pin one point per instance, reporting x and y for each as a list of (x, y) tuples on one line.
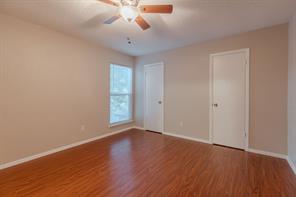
[(138, 163)]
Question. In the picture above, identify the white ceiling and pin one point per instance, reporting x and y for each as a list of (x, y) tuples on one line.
[(192, 20)]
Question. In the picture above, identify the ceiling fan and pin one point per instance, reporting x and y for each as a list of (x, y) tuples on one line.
[(131, 11)]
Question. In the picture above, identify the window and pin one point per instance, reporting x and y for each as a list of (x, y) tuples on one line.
[(120, 94)]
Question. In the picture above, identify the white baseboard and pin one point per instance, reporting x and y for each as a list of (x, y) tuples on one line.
[(277, 155), (140, 128), (261, 152), (188, 138), (292, 165), (282, 156), (26, 159)]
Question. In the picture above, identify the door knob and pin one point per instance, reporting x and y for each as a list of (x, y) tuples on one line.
[(159, 102), (215, 104)]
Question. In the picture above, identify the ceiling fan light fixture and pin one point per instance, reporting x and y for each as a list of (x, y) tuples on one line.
[(129, 13)]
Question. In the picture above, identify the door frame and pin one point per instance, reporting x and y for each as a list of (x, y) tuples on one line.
[(161, 64), (247, 93)]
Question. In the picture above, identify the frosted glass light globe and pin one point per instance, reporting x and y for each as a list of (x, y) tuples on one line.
[(129, 13)]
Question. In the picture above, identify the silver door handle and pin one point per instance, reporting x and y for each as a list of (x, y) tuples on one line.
[(159, 102)]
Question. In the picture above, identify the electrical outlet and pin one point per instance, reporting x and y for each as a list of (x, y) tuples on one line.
[(181, 124), (82, 128)]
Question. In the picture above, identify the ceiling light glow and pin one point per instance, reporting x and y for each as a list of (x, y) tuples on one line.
[(129, 13)]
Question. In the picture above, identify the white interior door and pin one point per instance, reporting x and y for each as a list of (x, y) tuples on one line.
[(230, 98), (154, 97)]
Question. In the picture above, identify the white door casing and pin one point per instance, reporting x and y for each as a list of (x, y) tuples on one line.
[(229, 98), (154, 97)]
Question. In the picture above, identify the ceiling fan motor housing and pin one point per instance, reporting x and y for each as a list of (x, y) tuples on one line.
[(129, 2)]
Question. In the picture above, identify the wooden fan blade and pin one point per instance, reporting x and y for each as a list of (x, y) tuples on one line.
[(110, 2), (165, 9), (112, 19), (142, 23)]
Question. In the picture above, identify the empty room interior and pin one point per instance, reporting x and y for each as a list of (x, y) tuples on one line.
[(143, 98)]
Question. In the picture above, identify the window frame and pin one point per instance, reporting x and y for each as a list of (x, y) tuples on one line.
[(131, 95)]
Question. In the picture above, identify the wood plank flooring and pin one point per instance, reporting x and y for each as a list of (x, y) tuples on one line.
[(138, 163)]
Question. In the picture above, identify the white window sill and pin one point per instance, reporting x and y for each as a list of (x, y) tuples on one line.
[(120, 123)]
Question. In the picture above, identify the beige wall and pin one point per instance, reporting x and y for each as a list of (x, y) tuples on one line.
[(50, 85), (187, 86), (292, 91)]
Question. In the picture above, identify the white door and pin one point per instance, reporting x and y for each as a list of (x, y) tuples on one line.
[(230, 98), (153, 117)]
